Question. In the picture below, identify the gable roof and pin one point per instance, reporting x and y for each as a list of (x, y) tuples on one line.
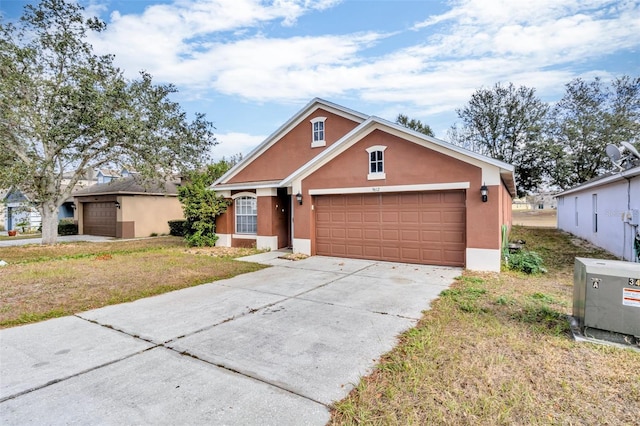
[(373, 123), (307, 110), (366, 126), (132, 185)]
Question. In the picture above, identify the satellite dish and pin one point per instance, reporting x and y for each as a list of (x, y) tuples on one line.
[(632, 149), (615, 155)]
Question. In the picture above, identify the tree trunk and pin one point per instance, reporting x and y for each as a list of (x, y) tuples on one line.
[(49, 214)]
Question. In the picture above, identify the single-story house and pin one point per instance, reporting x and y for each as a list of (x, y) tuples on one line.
[(605, 212), (336, 182), (127, 208)]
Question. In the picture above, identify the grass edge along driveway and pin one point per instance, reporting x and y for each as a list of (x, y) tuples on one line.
[(42, 282), (495, 349)]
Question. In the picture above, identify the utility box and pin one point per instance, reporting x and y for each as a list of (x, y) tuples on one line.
[(606, 295)]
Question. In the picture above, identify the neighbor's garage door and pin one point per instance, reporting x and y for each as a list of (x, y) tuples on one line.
[(100, 219), (417, 227)]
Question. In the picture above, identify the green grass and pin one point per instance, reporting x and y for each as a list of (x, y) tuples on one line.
[(495, 349), (43, 282)]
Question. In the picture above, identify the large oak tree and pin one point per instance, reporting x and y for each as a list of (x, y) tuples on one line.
[(64, 109)]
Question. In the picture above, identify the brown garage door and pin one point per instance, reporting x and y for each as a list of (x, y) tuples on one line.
[(416, 227), (100, 219)]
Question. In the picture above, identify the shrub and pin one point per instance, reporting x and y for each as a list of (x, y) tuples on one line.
[(201, 239), (176, 227), (67, 227), (526, 261)]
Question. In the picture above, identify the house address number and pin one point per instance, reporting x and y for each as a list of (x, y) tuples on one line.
[(634, 282)]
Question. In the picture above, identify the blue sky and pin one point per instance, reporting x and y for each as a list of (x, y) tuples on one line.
[(250, 64)]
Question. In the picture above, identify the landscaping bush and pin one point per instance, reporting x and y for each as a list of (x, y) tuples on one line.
[(201, 239), (67, 227), (526, 261), (176, 227)]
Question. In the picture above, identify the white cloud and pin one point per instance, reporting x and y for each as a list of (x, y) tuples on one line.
[(233, 143), (224, 45)]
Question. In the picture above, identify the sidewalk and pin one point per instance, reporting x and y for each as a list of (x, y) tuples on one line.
[(61, 239)]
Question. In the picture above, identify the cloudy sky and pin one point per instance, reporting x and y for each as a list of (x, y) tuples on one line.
[(251, 64)]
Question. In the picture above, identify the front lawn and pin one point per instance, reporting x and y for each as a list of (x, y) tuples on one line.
[(43, 282), (496, 349)]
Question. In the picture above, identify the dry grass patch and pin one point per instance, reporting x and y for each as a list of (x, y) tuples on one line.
[(496, 349), (37, 286)]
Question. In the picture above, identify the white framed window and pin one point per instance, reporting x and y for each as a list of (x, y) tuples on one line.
[(317, 132), (246, 209), (375, 155)]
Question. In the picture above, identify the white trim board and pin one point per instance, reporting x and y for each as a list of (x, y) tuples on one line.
[(392, 188)]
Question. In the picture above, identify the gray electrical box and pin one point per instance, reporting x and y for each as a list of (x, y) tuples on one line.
[(606, 295)]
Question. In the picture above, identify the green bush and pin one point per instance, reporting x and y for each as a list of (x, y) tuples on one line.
[(525, 261), (67, 227), (200, 239), (176, 227)]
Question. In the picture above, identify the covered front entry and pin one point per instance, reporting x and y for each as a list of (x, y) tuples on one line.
[(100, 218), (412, 227)]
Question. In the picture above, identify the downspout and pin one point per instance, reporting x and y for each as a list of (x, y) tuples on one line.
[(635, 232)]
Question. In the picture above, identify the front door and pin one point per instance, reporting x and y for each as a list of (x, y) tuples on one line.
[(284, 218)]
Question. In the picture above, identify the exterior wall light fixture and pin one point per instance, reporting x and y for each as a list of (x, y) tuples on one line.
[(299, 198), (484, 191), (117, 203)]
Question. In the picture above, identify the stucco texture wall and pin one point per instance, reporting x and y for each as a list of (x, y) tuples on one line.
[(577, 214), (149, 213), (294, 149), (407, 163)]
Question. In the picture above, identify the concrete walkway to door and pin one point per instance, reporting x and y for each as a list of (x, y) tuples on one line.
[(276, 346)]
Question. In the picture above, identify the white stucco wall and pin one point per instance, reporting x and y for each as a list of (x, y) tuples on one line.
[(613, 200)]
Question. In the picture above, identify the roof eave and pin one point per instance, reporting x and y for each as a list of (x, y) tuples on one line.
[(304, 110), (626, 174)]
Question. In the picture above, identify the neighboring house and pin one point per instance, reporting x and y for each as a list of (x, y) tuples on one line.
[(108, 175), (19, 207), (20, 212), (3, 214), (543, 200), (521, 204), (332, 181), (127, 208), (604, 211)]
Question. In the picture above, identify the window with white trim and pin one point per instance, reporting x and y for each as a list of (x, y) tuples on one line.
[(317, 132), (376, 162), (246, 209)]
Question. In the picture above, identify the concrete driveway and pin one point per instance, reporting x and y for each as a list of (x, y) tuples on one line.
[(276, 346)]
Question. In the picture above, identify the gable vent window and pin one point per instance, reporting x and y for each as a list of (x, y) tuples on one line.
[(376, 162), (317, 132)]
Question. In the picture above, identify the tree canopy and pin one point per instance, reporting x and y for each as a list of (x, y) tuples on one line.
[(414, 124), (590, 115), (64, 109), (505, 123)]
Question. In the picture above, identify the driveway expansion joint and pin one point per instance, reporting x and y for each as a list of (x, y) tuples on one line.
[(71, 376)]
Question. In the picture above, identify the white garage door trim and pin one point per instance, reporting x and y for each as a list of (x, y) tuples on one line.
[(391, 188)]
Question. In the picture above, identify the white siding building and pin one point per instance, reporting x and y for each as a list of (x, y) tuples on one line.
[(605, 211)]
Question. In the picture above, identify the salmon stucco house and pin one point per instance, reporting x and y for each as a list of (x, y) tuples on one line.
[(332, 181)]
